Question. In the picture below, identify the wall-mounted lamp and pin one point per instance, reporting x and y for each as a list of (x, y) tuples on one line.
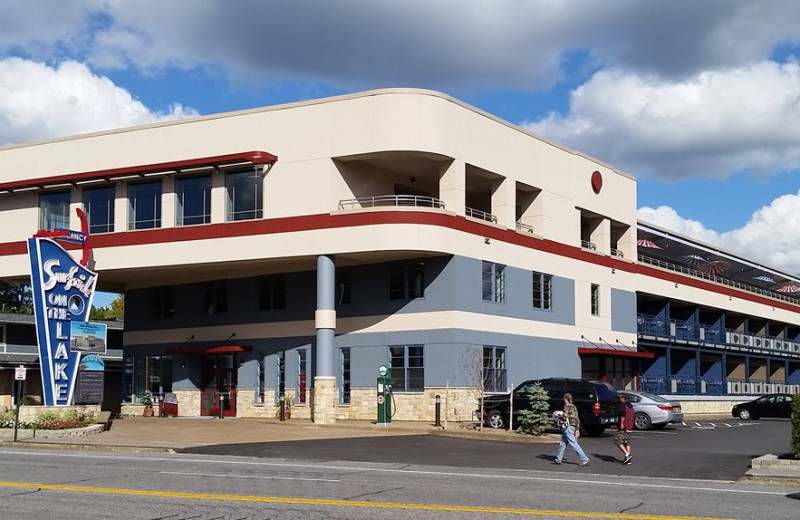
[(413, 180), (613, 271), (676, 285), (183, 364), (487, 241)]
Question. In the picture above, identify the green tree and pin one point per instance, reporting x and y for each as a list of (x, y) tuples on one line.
[(114, 311), (15, 298), (536, 419)]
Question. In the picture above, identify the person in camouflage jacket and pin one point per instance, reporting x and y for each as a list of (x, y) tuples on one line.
[(570, 433)]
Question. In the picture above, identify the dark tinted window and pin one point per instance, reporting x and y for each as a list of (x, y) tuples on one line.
[(606, 391), (580, 390)]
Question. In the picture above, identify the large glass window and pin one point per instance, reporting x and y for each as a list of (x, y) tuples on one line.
[(595, 300), (54, 210), (261, 380), (194, 200), (408, 368), (98, 203), (215, 298), (406, 281), (272, 292), (245, 195), (144, 205), (344, 373), (142, 373), (162, 300), (542, 291), (494, 369), (302, 374), (493, 282), (343, 286)]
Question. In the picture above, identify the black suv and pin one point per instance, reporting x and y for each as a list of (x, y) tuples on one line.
[(596, 402)]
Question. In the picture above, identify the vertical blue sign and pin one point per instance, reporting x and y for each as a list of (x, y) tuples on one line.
[(63, 291)]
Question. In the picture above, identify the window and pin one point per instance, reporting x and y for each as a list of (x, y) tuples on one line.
[(406, 281), (343, 286), (245, 198), (408, 368), (144, 205), (494, 369), (344, 371), (494, 282), (142, 373), (163, 302), (595, 300), (194, 200), (54, 210), (261, 379), (98, 203), (272, 292), (542, 291), (215, 298), (280, 377), (302, 374)]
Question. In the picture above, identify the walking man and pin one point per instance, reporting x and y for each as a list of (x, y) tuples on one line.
[(624, 427), (571, 431)]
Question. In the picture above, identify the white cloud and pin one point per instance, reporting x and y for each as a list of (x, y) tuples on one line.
[(713, 124), (770, 236), (38, 102)]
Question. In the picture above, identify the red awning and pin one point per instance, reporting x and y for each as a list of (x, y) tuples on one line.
[(614, 353), (221, 349)]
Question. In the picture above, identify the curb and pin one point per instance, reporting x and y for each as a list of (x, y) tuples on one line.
[(85, 447)]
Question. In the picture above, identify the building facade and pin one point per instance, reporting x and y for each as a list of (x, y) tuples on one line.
[(293, 250)]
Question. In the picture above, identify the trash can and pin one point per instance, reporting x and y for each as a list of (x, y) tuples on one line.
[(169, 405)]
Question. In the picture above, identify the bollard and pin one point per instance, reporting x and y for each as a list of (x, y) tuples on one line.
[(221, 405), (438, 423), (283, 407)]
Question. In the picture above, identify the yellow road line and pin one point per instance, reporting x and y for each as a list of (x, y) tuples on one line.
[(342, 503)]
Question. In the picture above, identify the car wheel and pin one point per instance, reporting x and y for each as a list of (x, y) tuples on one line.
[(641, 421), (744, 414), (495, 420), (594, 431)]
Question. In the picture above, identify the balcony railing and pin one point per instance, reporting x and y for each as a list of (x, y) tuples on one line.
[(480, 215), (418, 201), (697, 385), (524, 228), (669, 330), (585, 244), (718, 279), (617, 253)]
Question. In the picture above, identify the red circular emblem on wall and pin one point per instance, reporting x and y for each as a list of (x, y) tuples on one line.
[(597, 181)]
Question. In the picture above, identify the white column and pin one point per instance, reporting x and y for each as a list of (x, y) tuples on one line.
[(168, 202), (504, 203), (218, 197), (453, 186), (121, 207)]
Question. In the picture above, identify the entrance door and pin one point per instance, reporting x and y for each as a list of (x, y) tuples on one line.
[(219, 385)]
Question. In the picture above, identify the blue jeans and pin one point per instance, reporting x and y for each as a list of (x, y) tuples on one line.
[(568, 437)]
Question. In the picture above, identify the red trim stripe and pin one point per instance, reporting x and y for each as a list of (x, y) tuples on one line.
[(458, 223), (582, 351)]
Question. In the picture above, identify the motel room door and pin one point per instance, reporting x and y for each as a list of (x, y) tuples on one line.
[(219, 378)]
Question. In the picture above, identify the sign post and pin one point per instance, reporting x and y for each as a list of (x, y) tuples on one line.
[(19, 375)]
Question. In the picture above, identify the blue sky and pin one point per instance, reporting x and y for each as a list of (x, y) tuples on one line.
[(700, 101)]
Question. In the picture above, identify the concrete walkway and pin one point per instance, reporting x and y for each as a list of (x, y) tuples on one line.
[(159, 434)]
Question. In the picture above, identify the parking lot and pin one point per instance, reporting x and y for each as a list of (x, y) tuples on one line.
[(719, 450)]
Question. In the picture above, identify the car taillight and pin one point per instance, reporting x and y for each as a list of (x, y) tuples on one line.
[(665, 407), (597, 408)]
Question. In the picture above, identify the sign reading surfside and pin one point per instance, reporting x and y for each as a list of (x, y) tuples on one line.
[(63, 291)]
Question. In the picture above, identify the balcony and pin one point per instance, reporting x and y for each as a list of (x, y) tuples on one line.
[(383, 201), (524, 228), (480, 215), (585, 244)]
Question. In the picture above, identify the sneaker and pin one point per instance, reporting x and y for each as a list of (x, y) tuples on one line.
[(585, 462), (628, 459), (556, 461)]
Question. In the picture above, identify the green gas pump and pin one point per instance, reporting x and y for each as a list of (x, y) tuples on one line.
[(384, 396)]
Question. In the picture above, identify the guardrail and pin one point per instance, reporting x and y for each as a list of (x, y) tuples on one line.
[(524, 228), (418, 201), (481, 215)]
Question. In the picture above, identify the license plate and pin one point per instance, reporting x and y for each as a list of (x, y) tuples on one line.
[(677, 409)]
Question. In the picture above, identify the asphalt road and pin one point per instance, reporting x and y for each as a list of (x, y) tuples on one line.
[(718, 450), (45, 484)]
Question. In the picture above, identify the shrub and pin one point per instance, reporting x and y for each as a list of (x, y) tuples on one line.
[(536, 419), (48, 415), (796, 426)]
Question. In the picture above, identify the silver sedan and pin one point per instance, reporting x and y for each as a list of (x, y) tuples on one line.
[(653, 411)]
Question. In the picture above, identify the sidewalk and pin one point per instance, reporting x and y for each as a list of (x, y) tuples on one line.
[(154, 434)]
